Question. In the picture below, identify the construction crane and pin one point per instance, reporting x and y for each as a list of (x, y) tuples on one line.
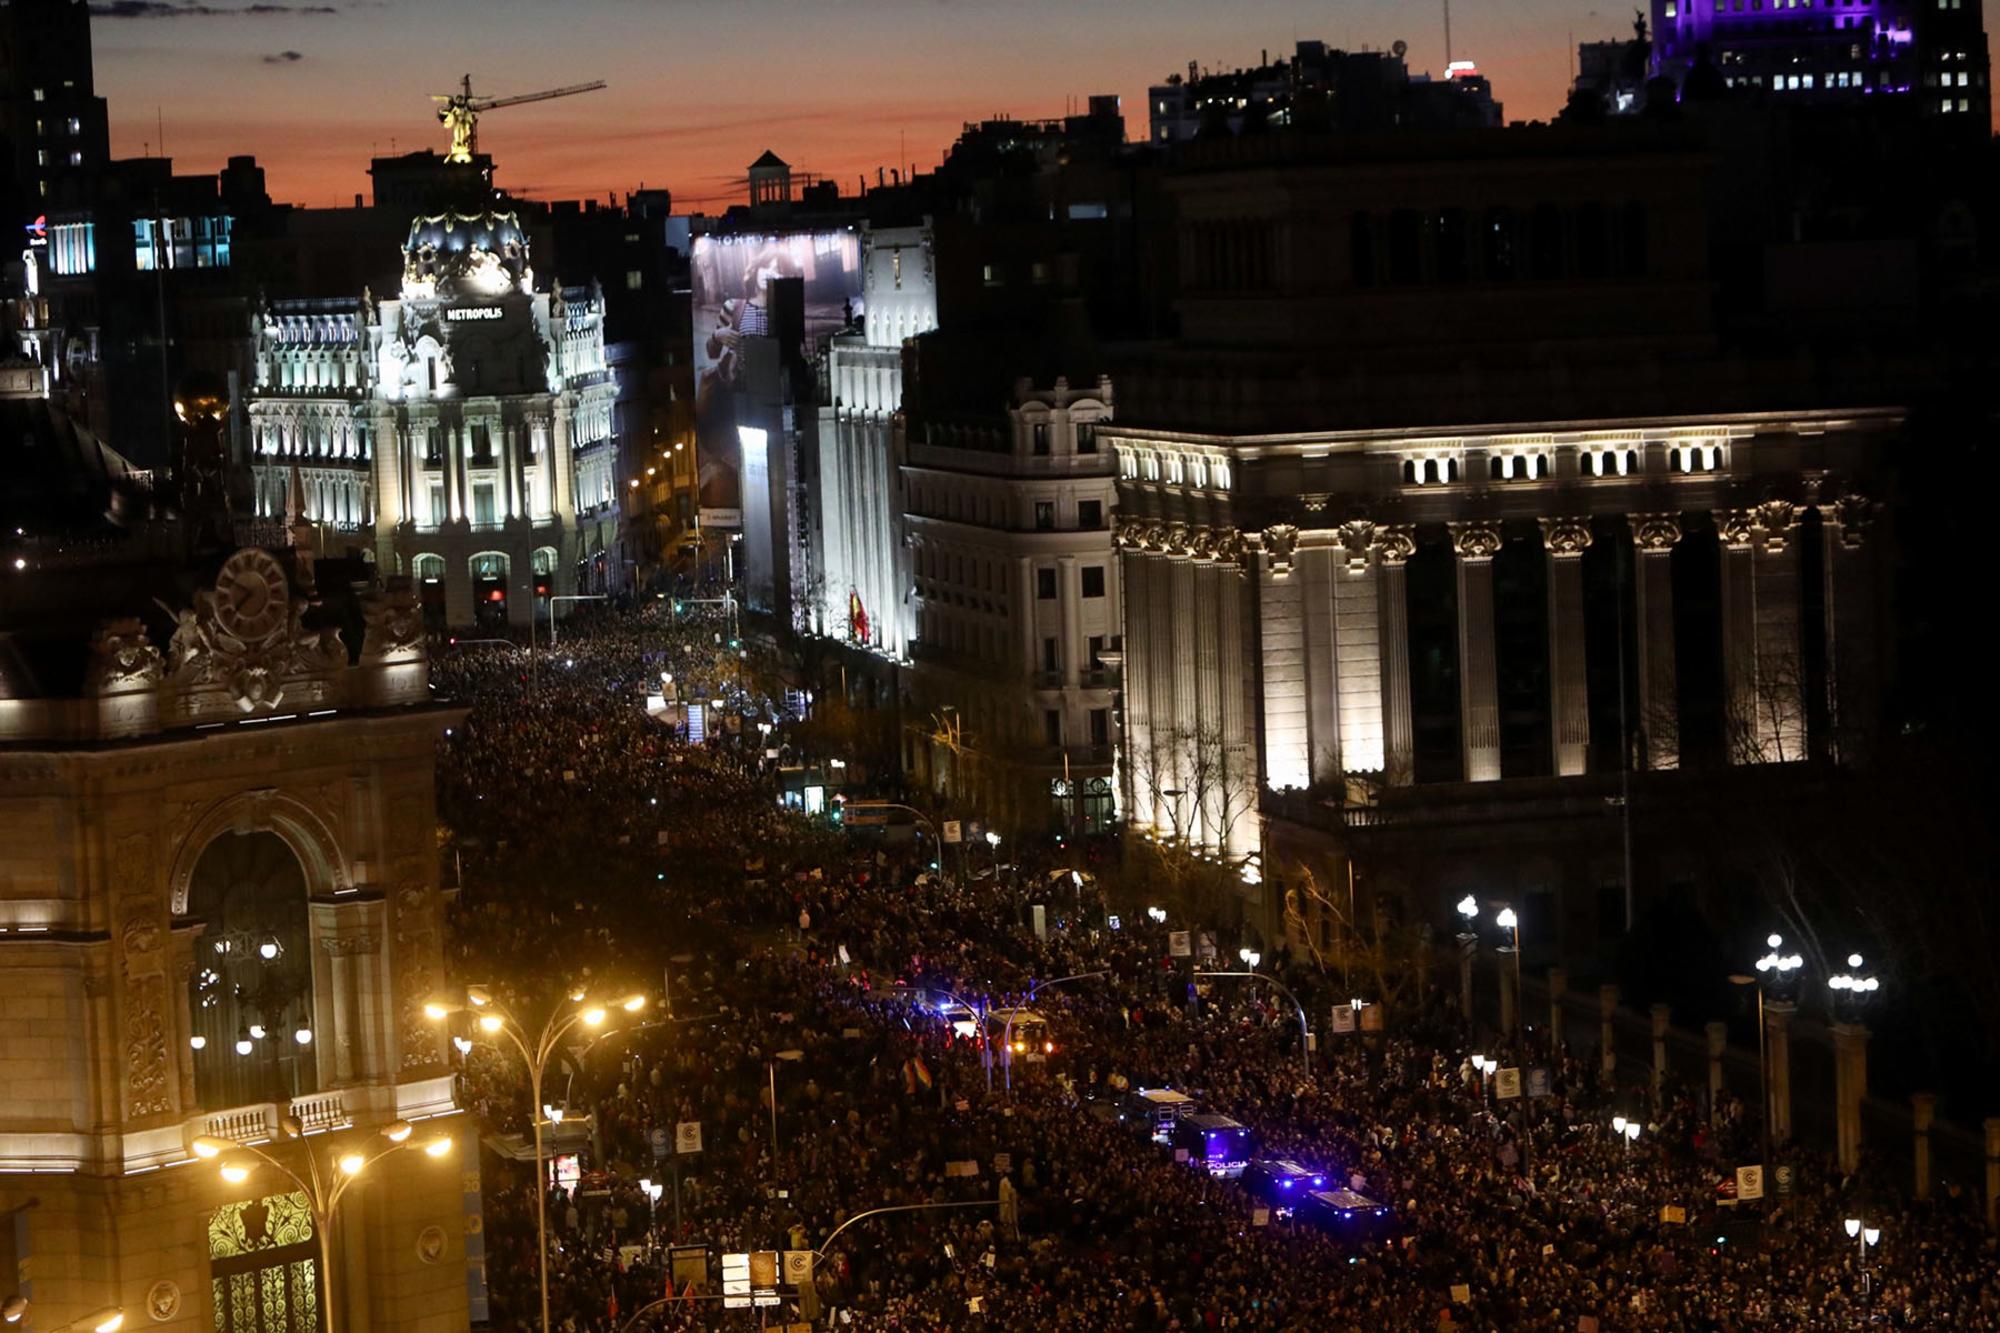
[(459, 112)]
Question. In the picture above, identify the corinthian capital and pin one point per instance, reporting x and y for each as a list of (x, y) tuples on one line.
[(1356, 538), (1656, 532), (1567, 536), (1475, 539), (1853, 515), (1280, 540), (1397, 544)]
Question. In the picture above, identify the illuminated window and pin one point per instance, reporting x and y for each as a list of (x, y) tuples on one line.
[(634, 280)]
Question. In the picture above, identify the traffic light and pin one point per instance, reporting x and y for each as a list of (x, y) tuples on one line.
[(837, 811)]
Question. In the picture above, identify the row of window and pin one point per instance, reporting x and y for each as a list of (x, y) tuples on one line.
[(989, 510), (1454, 245), (1198, 471), (1433, 470)]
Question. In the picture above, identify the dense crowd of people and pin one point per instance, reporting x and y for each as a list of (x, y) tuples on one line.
[(601, 851)]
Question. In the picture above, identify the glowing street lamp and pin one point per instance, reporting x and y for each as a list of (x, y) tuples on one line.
[(496, 1020), (1468, 949), (1865, 1238), (324, 1185), (1851, 990)]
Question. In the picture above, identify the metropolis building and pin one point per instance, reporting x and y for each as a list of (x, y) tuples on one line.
[(459, 433)]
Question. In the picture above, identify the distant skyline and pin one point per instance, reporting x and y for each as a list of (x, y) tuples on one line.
[(698, 88)]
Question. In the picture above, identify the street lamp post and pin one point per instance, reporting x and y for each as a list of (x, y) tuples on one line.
[(494, 1019), (1468, 949), (1852, 994), (324, 1187), (1511, 996), (1628, 1130), (1007, 1035), (1864, 1237), (1777, 982), (1251, 958)]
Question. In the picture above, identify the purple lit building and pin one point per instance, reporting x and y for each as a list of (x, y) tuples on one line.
[(1930, 52)]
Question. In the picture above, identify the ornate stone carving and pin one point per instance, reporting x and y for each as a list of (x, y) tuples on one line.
[(1475, 539), (1854, 514), (1228, 546), (146, 1047), (249, 635), (347, 946), (1775, 521), (140, 934), (1315, 502), (1201, 543), (1656, 532), (1396, 543), (1357, 539), (1280, 541), (1736, 528), (394, 622), (1566, 536), (121, 659), (1129, 533), (1176, 540)]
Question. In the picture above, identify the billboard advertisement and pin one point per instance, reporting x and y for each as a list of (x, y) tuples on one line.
[(732, 277)]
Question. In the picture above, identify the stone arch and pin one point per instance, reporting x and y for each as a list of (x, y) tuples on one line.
[(266, 810)]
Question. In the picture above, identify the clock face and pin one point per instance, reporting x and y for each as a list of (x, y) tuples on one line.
[(252, 595)]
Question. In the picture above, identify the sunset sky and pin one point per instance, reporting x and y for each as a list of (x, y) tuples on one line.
[(698, 88)]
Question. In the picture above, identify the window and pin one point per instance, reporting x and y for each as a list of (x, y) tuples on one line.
[(1045, 585), (75, 125), (1100, 726), (990, 274), (1049, 649), (1090, 514), (1038, 273), (634, 280), (1045, 515), (482, 504), (1086, 437), (1093, 580), (1052, 726), (1041, 439), (76, 158), (1097, 652)]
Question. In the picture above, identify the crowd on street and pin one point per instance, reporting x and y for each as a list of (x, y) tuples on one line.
[(796, 974)]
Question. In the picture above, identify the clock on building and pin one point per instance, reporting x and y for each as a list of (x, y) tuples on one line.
[(252, 595)]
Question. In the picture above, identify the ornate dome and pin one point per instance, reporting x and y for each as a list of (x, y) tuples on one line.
[(454, 254)]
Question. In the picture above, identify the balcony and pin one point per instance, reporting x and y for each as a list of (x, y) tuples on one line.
[(249, 1124)]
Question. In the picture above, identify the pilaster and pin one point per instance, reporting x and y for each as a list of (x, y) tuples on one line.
[(1316, 575), (1357, 632), (1476, 543), (1654, 537), (1287, 733), (1853, 702), (1565, 540), (1398, 731)]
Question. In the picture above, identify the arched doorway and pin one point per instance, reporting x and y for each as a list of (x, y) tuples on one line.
[(251, 989), (489, 570)]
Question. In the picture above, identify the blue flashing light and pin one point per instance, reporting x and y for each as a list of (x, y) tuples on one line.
[(1284, 1184), (1317, 1180)]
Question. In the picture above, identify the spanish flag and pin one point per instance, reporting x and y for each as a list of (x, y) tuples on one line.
[(922, 1072)]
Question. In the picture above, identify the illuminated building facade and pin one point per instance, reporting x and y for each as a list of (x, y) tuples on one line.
[(863, 580), (1930, 53), (460, 433), (220, 913)]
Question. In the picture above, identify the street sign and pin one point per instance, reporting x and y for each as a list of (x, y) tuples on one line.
[(952, 831), (1041, 921), (1180, 943), (1344, 1018), (1749, 1182), (687, 1136), (659, 1141), (1205, 947), (1507, 1084), (717, 517), (764, 1277), (735, 1281), (1538, 1082), (1371, 1018), (798, 1267), (1783, 1175)]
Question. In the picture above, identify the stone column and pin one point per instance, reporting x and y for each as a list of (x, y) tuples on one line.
[(1244, 834), (1357, 639), (1566, 539), (1316, 572), (1718, 1044), (1992, 1127), (1209, 794), (1662, 1015), (1287, 731), (1778, 1016), (1137, 766), (1398, 732), (1654, 537), (561, 461), (1762, 666), (1026, 650), (510, 502), (1476, 543), (453, 445), (1558, 990), (1607, 1031), (1923, 1110), (1849, 580), (1850, 1085), (1168, 724), (1185, 742)]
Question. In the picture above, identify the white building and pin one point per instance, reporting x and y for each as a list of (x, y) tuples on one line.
[(863, 580), (461, 434), (1017, 587)]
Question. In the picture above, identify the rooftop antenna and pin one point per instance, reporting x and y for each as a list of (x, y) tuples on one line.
[(1447, 34)]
